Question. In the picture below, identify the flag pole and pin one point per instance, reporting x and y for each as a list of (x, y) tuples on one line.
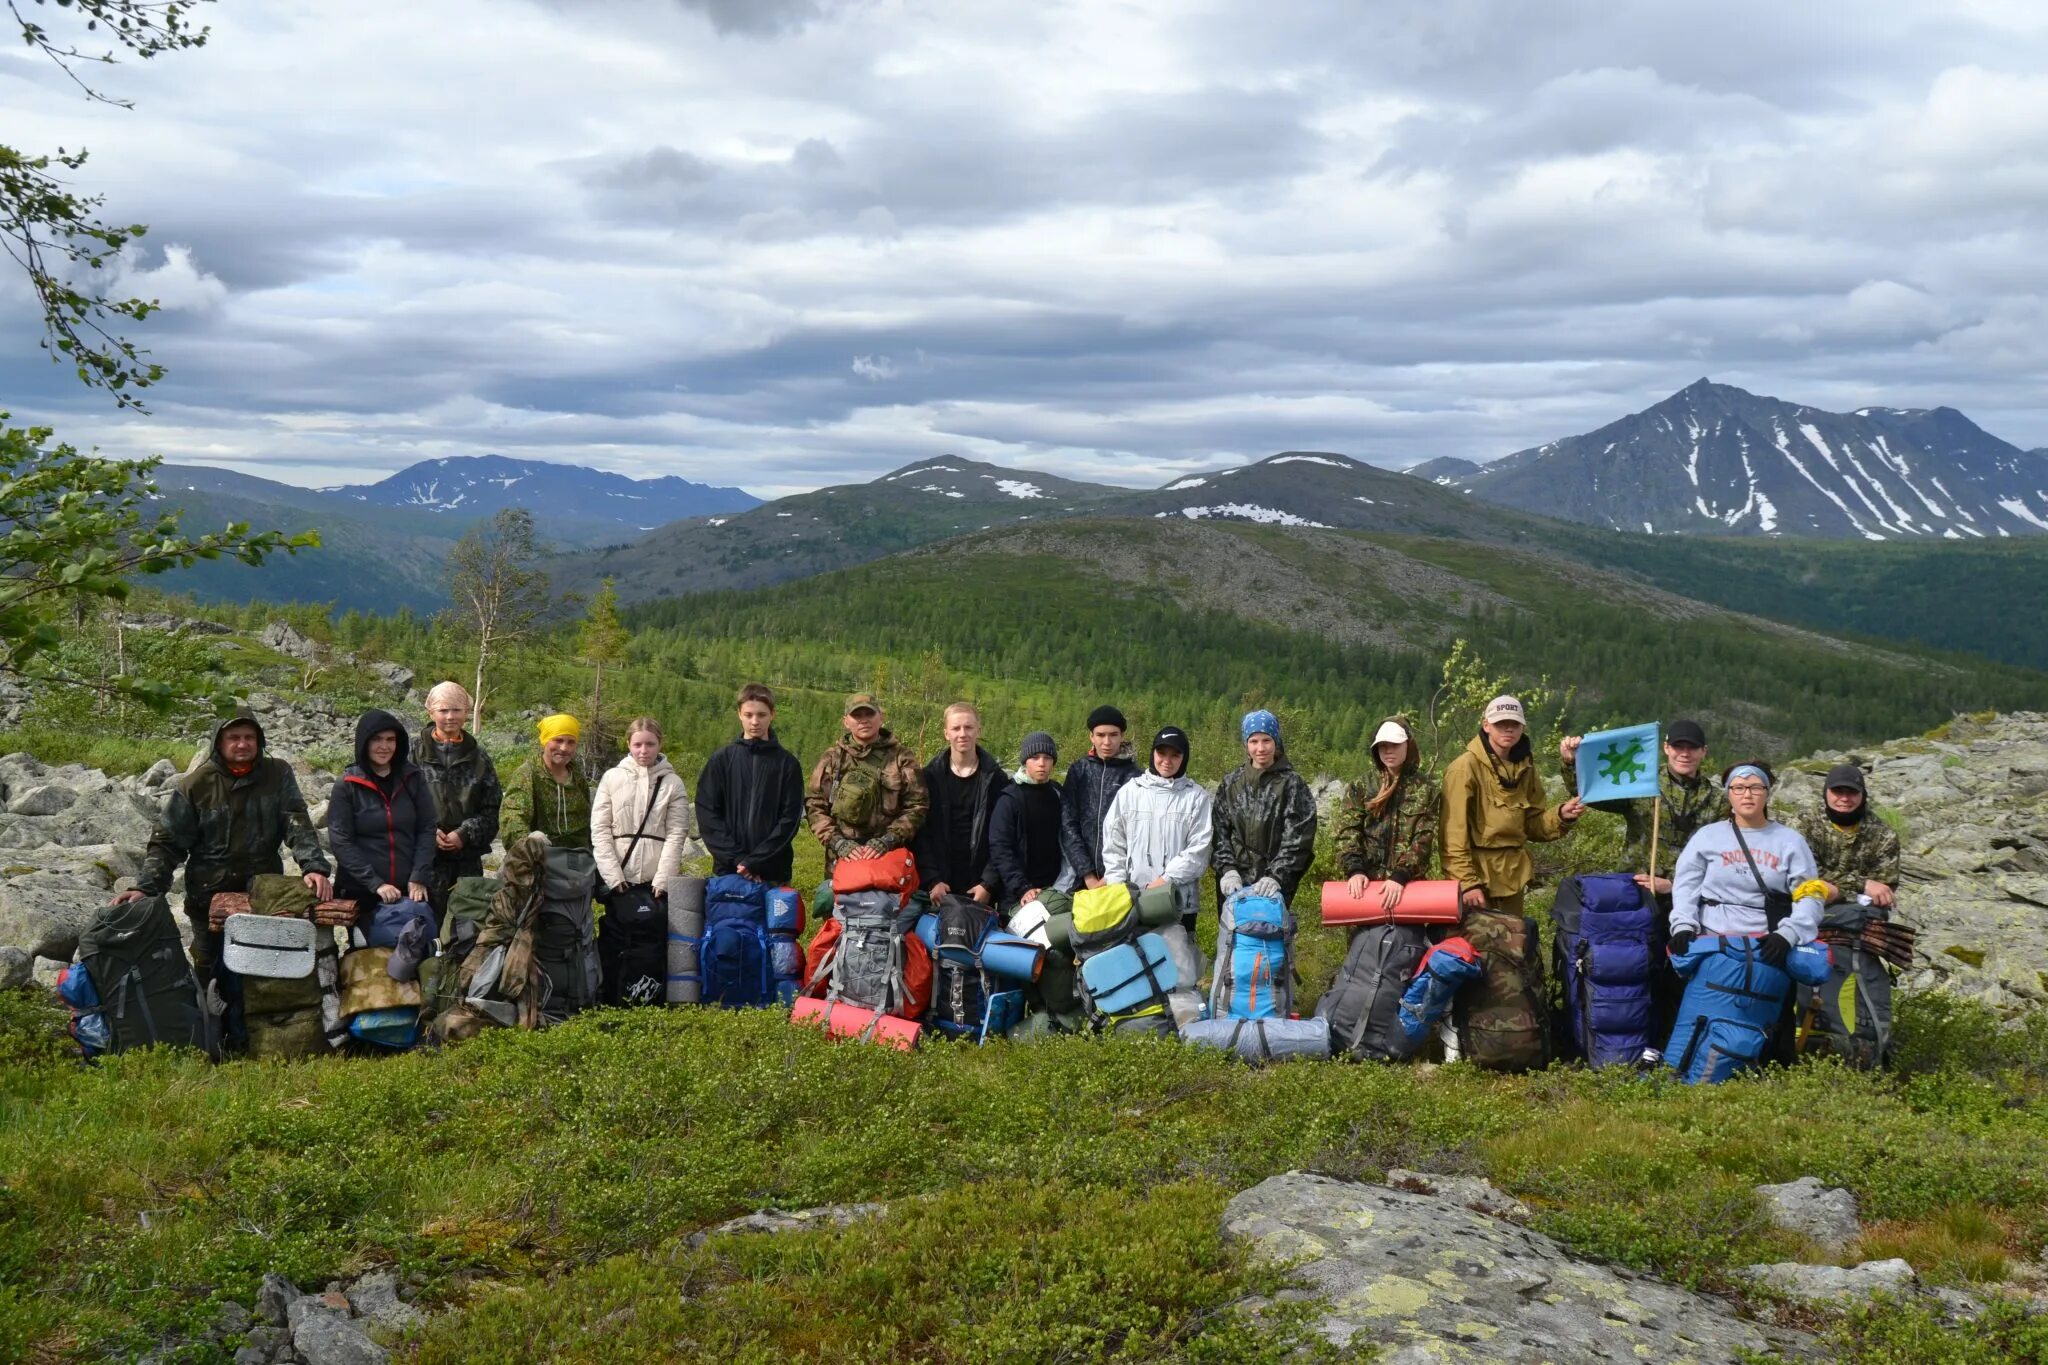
[(1656, 810)]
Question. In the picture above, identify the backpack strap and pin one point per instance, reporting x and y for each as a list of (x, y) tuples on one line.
[(1771, 921), (640, 833)]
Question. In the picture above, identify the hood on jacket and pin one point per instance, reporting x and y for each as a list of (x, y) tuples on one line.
[(1519, 754), (242, 716), (1169, 737), (373, 724)]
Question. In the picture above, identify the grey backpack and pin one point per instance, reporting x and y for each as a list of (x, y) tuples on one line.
[(1363, 1005)]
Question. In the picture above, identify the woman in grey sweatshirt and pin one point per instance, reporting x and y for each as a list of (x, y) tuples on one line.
[(1713, 890)]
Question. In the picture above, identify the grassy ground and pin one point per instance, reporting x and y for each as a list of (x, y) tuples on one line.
[(1057, 1201)]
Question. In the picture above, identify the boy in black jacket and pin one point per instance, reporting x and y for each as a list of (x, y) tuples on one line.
[(750, 797)]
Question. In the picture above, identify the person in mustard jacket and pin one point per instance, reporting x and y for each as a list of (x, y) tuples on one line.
[(1493, 810)]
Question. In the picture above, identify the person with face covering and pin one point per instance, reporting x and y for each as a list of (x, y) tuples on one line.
[(381, 820), (466, 791), (1716, 890), (226, 821), (1386, 826), (1856, 855), (1263, 821), (1024, 828), (640, 817), (1160, 827), (548, 792)]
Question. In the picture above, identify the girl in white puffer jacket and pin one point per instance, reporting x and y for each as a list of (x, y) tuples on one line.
[(640, 816), (1159, 827)]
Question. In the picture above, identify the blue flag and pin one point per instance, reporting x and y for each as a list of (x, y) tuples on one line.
[(1616, 765)]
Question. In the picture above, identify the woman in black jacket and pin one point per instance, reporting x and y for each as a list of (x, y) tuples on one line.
[(380, 819)]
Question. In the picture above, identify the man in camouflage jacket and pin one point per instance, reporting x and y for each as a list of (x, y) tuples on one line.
[(1691, 800), (225, 821), (1856, 853), (866, 796)]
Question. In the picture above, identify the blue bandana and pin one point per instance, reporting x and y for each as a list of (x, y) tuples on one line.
[(1260, 723), (1749, 770)]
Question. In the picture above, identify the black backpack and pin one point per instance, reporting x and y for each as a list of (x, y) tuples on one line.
[(148, 991), (1363, 1004), (563, 934), (632, 948)]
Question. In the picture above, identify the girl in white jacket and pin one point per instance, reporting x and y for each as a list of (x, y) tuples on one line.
[(640, 816), (1158, 828)]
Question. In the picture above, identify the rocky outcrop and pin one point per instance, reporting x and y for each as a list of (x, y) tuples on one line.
[(1424, 1276), (1835, 1283), (1972, 802), (1824, 1216)]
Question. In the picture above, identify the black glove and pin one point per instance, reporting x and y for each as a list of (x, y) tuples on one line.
[(1775, 950), (1682, 940)]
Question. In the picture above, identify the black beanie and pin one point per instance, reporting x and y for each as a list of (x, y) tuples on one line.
[(1107, 715), (1174, 738)]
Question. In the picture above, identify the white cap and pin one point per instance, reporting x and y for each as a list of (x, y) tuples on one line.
[(1390, 732), (1505, 708)]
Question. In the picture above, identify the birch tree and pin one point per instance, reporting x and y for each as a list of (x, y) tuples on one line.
[(498, 590)]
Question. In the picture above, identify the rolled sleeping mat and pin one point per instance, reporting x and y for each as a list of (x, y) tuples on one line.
[(1259, 1041), (1157, 906), (928, 931), (1421, 903), (842, 1020), (685, 936), (1011, 955)]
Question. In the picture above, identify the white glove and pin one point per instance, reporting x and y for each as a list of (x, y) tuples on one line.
[(1229, 884), (1267, 887)]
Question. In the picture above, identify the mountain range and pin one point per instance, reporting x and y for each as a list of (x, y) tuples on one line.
[(1717, 459), (576, 504)]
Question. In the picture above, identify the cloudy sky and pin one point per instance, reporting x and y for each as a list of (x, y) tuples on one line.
[(782, 243)]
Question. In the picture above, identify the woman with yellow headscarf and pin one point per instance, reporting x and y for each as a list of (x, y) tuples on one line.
[(549, 792)]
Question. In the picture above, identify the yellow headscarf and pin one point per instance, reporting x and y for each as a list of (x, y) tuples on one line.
[(558, 726)]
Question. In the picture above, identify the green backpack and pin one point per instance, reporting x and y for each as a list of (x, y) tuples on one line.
[(469, 901), (148, 991)]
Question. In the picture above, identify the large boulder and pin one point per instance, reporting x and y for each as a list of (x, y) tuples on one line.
[(282, 638), (43, 915), (1824, 1215), (1424, 1277)]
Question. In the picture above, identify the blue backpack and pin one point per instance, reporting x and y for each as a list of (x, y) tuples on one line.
[(970, 997), (750, 955), (1447, 968), (1732, 1002), (1606, 932), (1254, 960)]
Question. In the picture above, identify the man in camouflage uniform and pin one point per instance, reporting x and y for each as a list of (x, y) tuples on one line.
[(1690, 800), (1857, 855), (866, 796), (225, 821)]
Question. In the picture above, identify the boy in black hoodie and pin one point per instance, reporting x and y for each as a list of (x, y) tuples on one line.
[(1093, 781), (750, 797), (952, 846)]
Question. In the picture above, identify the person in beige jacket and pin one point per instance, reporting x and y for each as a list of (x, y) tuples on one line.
[(640, 816), (1493, 810)]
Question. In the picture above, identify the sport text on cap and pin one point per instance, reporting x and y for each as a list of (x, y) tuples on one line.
[(1505, 708)]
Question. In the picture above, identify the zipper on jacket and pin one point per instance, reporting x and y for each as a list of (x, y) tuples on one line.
[(390, 826)]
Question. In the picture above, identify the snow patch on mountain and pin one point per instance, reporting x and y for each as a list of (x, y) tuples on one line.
[(1018, 488), (1248, 511), (1308, 459)]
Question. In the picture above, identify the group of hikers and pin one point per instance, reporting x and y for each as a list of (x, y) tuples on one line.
[(958, 857)]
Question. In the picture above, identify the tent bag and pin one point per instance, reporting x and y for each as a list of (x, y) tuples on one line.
[(685, 940), (1259, 1041)]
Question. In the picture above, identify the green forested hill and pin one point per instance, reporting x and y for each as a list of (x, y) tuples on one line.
[(1192, 622)]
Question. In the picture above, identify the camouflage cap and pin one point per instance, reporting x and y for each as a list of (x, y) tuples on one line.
[(862, 701)]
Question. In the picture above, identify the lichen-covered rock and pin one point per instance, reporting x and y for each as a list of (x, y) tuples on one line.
[(1813, 1210), (17, 968), (1424, 1277), (792, 1220), (1834, 1283)]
